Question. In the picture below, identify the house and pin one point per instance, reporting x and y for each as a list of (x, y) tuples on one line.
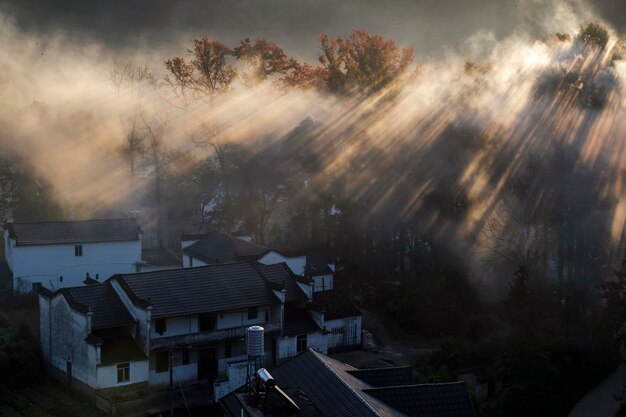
[(216, 247), (311, 265), (64, 253), (87, 334), (192, 319), (155, 259), (312, 384)]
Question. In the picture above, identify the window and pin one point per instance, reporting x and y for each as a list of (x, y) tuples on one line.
[(228, 349), (207, 322), (78, 250), (123, 372), (162, 362), (160, 326), (186, 357), (253, 313), (301, 342)]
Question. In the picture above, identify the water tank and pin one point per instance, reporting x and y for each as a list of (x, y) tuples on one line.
[(255, 341)]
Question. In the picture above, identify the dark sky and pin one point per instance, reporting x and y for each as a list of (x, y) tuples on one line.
[(429, 25)]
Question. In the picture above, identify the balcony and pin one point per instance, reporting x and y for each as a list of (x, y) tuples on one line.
[(191, 339)]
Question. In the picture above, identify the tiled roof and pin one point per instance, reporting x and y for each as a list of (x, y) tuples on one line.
[(205, 289), (281, 275), (335, 391), (121, 349), (327, 385), (159, 257), (218, 247), (385, 377), (103, 301), (335, 304), (86, 231), (427, 400), (298, 322)]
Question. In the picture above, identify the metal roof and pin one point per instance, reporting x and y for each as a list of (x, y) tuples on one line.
[(66, 232), (204, 289)]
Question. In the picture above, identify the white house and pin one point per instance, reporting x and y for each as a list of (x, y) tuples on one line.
[(132, 328), (65, 253), (310, 265), (88, 334)]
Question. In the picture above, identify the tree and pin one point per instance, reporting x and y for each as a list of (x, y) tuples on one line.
[(264, 59), (362, 62), (594, 35), (208, 72)]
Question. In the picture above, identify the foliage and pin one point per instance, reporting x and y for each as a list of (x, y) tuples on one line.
[(208, 72), (264, 59), (362, 62), (594, 35)]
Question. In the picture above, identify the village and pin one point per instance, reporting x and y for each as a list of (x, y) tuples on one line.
[(211, 320)]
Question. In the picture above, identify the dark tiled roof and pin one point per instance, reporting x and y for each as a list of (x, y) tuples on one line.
[(298, 322), (335, 304), (329, 387), (103, 301), (159, 257), (86, 231), (205, 289), (218, 247), (316, 265), (121, 349), (427, 400), (385, 377), (281, 275)]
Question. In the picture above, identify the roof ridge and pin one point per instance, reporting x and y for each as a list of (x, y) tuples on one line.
[(355, 391)]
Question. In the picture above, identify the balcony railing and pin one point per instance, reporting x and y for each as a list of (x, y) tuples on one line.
[(191, 339)]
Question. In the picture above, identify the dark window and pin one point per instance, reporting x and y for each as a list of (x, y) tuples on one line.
[(207, 322), (123, 372), (253, 313), (161, 362), (228, 349), (160, 326), (301, 343), (78, 250), (186, 357)]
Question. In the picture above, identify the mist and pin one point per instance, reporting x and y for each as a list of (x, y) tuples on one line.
[(474, 156)]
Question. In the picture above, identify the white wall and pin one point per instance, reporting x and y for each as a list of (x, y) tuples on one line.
[(68, 332), (350, 334), (46, 263), (287, 346), (191, 262), (107, 374), (323, 282), (295, 263)]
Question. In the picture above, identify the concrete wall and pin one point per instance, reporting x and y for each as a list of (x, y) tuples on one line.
[(47, 263), (295, 263), (343, 332), (287, 346), (323, 282), (106, 375), (68, 332)]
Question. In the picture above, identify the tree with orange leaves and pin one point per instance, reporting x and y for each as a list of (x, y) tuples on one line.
[(264, 59), (362, 62), (208, 72)]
